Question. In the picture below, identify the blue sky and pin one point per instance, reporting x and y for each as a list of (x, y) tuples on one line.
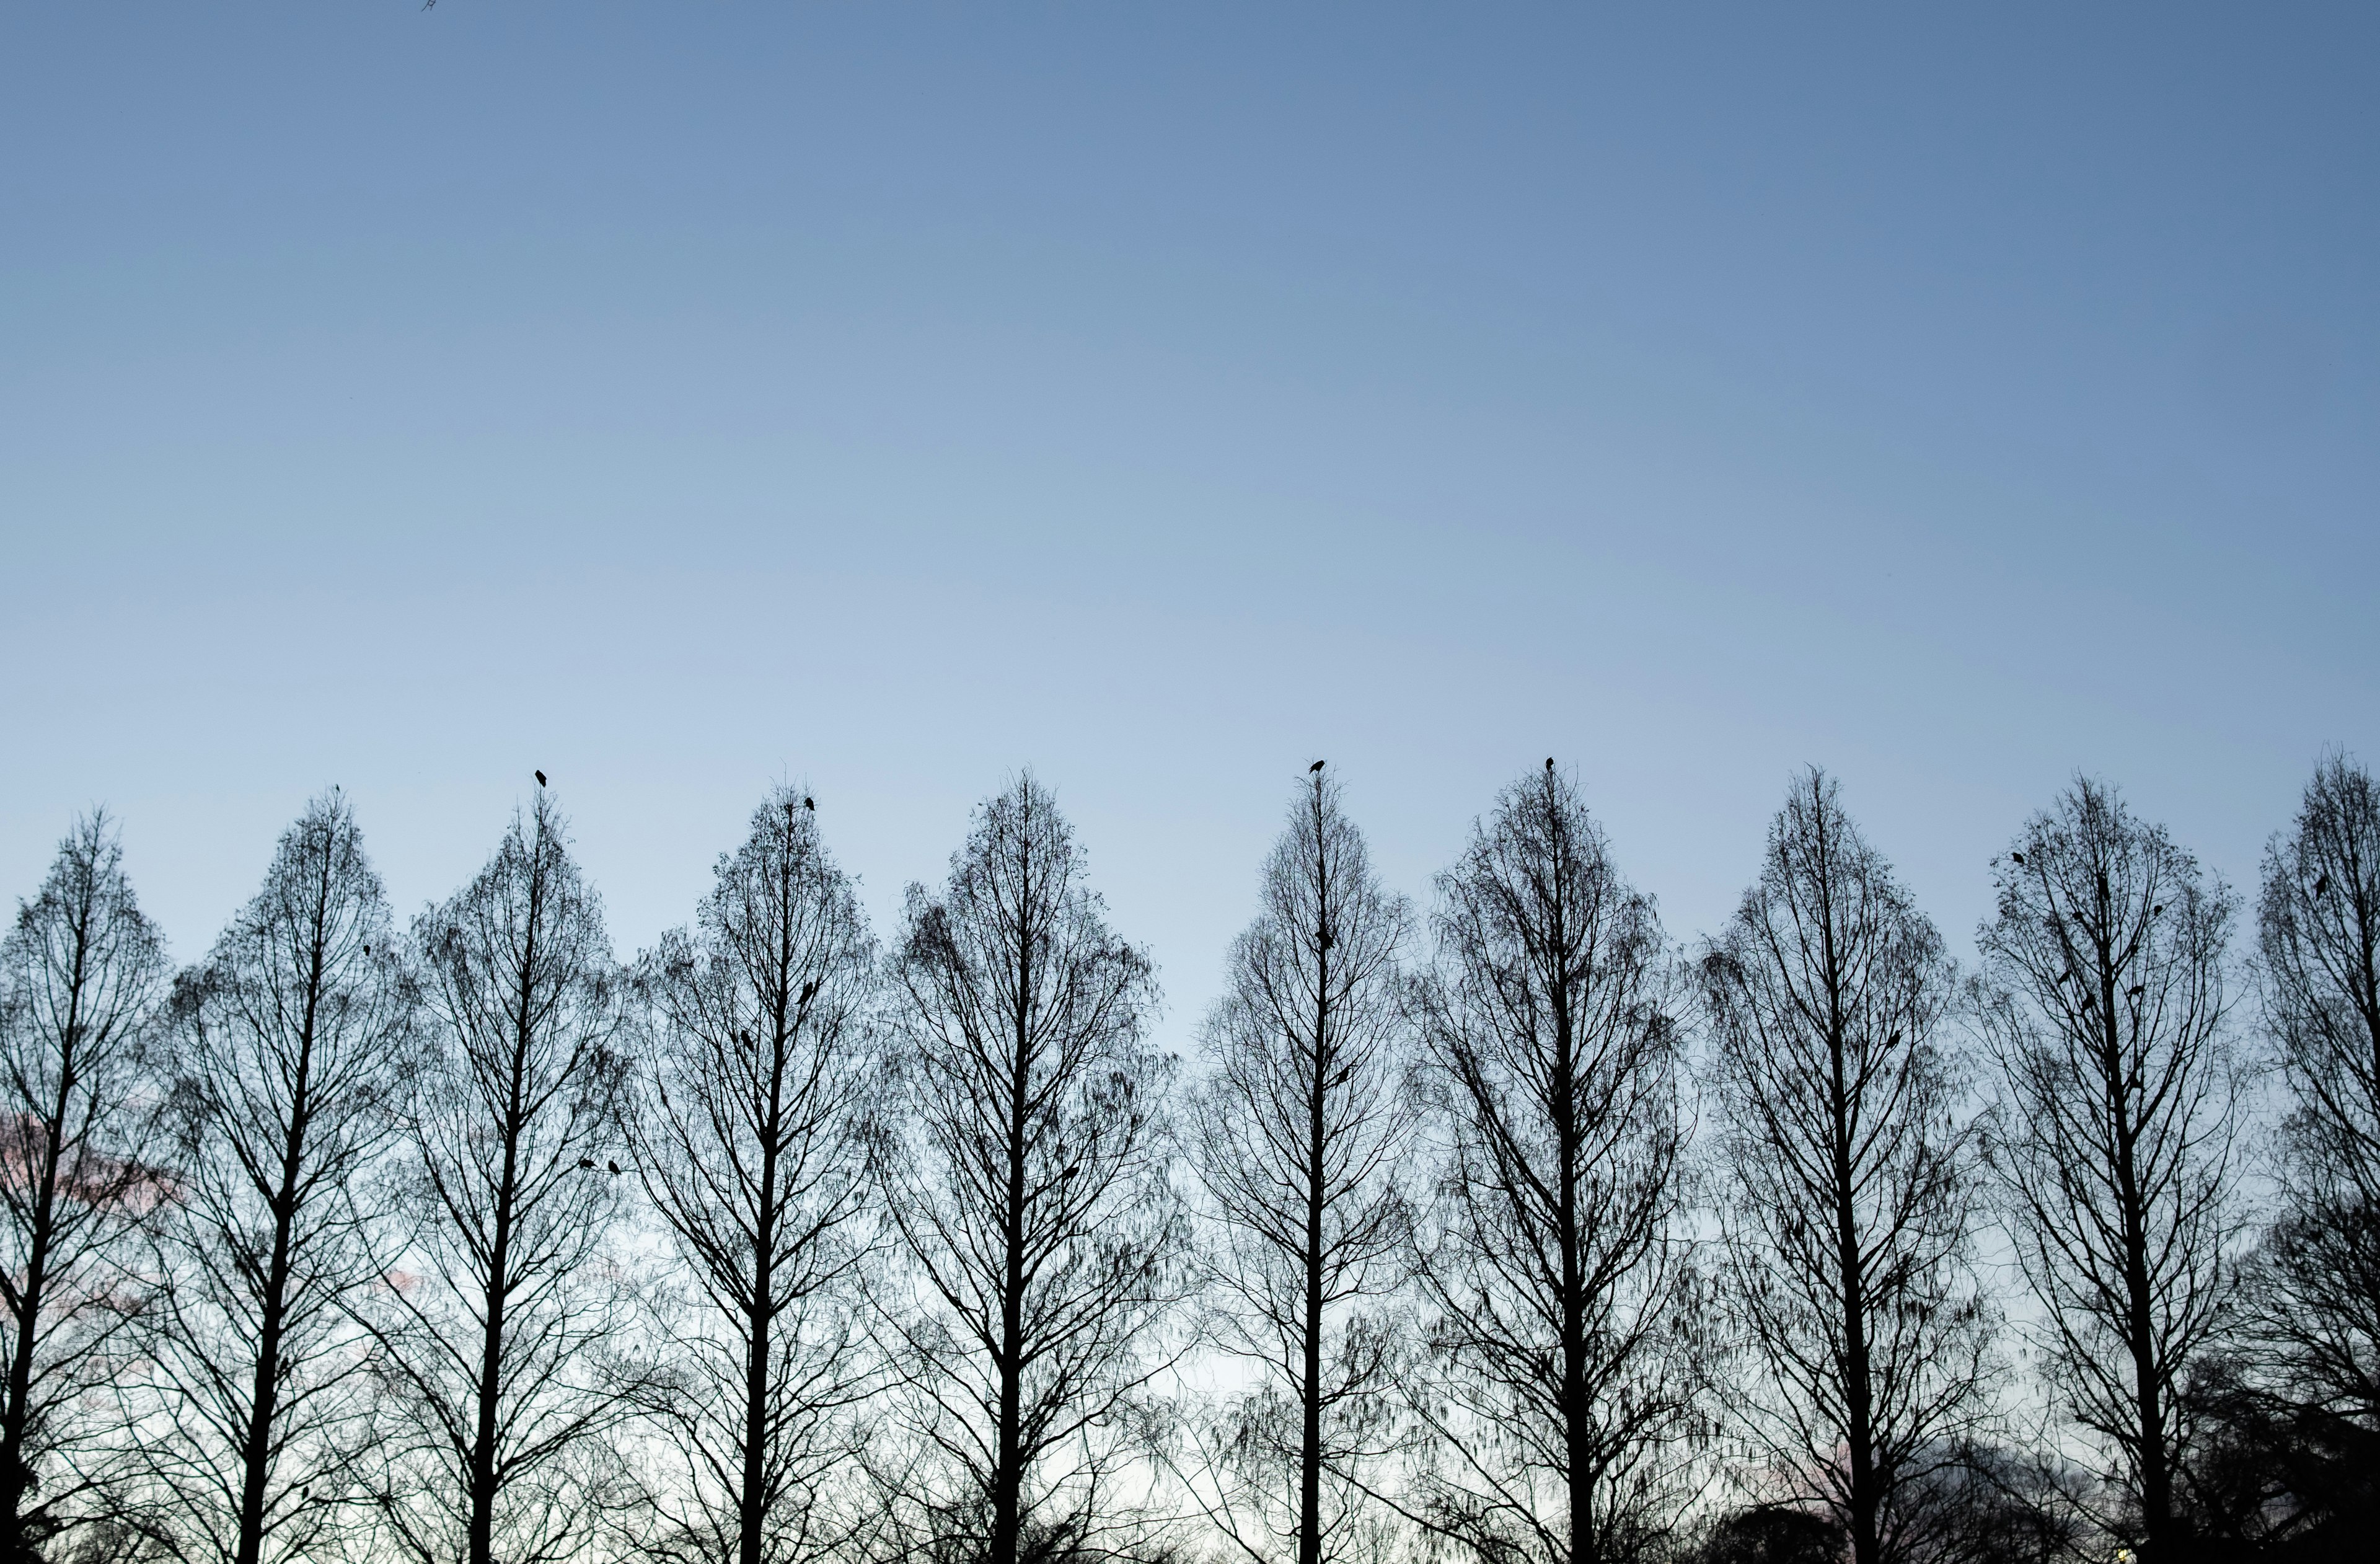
[(889, 396)]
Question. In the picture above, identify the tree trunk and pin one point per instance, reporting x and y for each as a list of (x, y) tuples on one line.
[(751, 1507), (1008, 1481), (257, 1445), (15, 1472), (1309, 1447)]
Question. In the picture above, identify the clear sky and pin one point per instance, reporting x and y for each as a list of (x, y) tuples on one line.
[(888, 397)]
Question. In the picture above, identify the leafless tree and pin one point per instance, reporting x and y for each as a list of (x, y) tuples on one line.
[(292, 1047), (1303, 1127), (2117, 1134), (2321, 937), (1029, 1186), (748, 1136), (1851, 1188), (499, 1348), (1559, 1409), (83, 980)]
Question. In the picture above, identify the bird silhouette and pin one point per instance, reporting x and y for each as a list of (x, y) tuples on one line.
[(1549, 762), (1070, 1172), (541, 778), (2136, 990), (1893, 1041), (587, 1161), (613, 1166), (808, 804), (2017, 858), (2321, 886), (2157, 911), (1316, 767), (810, 992)]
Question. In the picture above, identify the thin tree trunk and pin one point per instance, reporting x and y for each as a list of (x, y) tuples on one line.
[(1858, 1388), (1859, 1394), (257, 1445), (491, 1342), (15, 1472), (1008, 1481), (751, 1506), (1578, 1442), (1309, 1448), (491, 1357)]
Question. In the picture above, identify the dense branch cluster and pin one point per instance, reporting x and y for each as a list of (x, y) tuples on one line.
[(1512, 1229)]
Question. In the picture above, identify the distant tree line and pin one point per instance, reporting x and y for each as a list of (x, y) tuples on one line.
[(1515, 1230)]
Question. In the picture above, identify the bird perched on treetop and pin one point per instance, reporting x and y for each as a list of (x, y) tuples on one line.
[(807, 804), (1549, 762), (2017, 858), (541, 778), (1316, 767)]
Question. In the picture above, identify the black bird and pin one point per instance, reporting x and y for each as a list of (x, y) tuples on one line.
[(1327, 941), (1893, 1041), (613, 1166), (1316, 767), (541, 778), (587, 1161), (2157, 911), (1549, 762), (2017, 858), (2136, 990), (809, 804), (2087, 1001), (2321, 886), (810, 992), (1070, 1172)]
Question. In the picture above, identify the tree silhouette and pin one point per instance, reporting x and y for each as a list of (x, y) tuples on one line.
[(292, 1046), (1850, 1191), (757, 1072), (2117, 1138), (1560, 1412), (1302, 1128), (1028, 1186), (499, 1352), (2320, 924), (83, 980)]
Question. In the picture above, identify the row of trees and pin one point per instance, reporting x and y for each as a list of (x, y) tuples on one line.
[(1528, 1235)]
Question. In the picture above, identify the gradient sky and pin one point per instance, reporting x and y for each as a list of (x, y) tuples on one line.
[(888, 397)]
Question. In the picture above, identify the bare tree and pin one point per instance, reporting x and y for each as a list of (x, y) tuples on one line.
[(1028, 1184), (293, 1043), (500, 1348), (2117, 1136), (83, 980), (748, 1140), (2321, 935), (1557, 1277), (1851, 1189), (1302, 1128)]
